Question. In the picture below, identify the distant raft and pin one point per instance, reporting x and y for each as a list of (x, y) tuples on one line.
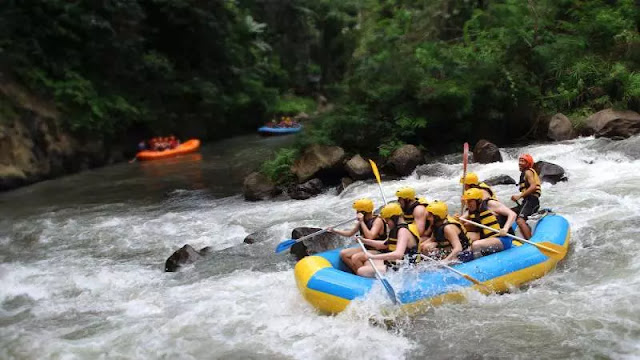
[(267, 130), (186, 147), (327, 284)]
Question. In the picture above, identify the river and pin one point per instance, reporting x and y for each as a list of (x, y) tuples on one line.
[(81, 266)]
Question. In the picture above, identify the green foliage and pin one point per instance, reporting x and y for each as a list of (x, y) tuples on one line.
[(292, 105), (278, 169)]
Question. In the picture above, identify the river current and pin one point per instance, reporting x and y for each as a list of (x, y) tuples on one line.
[(81, 266)]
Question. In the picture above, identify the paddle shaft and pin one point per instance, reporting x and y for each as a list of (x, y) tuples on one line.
[(385, 283), (511, 236), (465, 157), (376, 173), (323, 230), (468, 277)]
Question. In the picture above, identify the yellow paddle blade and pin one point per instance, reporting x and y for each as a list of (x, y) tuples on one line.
[(551, 250), (374, 167)]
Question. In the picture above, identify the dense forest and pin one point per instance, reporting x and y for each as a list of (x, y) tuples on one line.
[(427, 72)]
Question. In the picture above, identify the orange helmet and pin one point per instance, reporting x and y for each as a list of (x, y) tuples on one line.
[(528, 159)]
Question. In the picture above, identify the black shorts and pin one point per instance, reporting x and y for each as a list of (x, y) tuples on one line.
[(529, 206)]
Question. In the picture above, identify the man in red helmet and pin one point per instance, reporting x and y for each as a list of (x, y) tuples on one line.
[(530, 192)]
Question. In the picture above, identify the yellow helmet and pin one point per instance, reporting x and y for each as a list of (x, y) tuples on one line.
[(469, 179), (390, 210), (406, 193), (365, 205), (473, 194), (438, 208)]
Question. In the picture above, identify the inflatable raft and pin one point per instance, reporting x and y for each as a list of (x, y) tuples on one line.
[(266, 130), (186, 147), (326, 282)]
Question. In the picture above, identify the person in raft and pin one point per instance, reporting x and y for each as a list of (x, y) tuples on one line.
[(369, 226), (449, 241), (413, 210), (530, 192), (402, 243), (470, 181), (491, 213)]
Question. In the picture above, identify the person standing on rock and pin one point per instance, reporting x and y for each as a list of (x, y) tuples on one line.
[(414, 210), (471, 181), (530, 192), (370, 226)]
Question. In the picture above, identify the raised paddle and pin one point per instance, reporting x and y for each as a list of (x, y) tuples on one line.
[(374, 167), (465, 161), (468, 277), (284, 245), (385, 283), (551, 250)]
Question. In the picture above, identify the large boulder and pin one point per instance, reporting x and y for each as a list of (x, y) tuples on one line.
[(549, 172), (405, 159), (613, 123), (321, 161), (486, 152), (184, 256), (358, 168), (560, 128), (304, 191), (257, 186), (500, 180), (315, 244)]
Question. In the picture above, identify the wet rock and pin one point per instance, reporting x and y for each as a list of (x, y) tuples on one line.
[(486, 152), (304, 191), (256, 237), (560, 128), (549, 172), (435, 170), (344, 184), (358, 168), (613, 123), (315, 244), (184, 256), (321, 161), (258, 186), (405, 159), (500, 180)]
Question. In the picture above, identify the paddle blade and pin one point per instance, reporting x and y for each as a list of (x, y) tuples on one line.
[(285, 245), (552, 250), (389, 289), (374, 167)]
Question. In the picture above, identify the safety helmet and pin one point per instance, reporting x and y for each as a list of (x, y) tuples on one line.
[(365, 205), (391, 210), (469, 179), (528, 160), (406, 193), (438, 208), (473, 194)]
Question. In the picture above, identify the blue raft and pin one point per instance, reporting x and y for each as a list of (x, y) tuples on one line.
[(326, 283), (266, 130)]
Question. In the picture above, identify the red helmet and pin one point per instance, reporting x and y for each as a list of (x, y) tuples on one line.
[(528, 159)]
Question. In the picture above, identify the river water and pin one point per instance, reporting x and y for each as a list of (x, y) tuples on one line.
[(81, 266)]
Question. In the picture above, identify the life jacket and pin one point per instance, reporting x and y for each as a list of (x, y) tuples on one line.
[(524, 184), (408, 210), (483, 186), (369, 225), (486, 217), (410, 253), (443, 242)]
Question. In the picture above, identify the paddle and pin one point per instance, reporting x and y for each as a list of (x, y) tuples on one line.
[(465, 160), (385, 283), (551, 250), (468, 277), (284, 245), (374, 167)]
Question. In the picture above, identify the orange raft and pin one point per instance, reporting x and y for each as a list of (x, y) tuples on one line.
[(186, 147)]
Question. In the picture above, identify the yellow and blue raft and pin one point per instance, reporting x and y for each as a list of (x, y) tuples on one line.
[(327, 284)]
